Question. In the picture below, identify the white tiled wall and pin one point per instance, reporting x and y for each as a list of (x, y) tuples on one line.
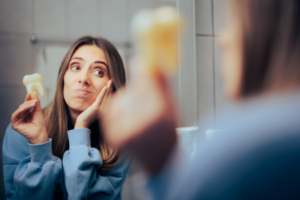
[(114, 20), (15, 59), (220, 15), (187, 78), (47, 65), (50, 18), (205, 78), (83, 18), (16, 16), (210, 19), (203, 16)]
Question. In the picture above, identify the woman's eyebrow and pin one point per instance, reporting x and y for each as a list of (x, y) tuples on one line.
[(78, 58), (101, 62)]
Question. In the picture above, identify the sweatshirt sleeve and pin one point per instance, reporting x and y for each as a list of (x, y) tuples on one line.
[(30, 171), (80, 164), (160, 185)]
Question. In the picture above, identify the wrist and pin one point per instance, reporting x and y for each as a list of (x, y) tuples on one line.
[(42, 138), (80, 125)]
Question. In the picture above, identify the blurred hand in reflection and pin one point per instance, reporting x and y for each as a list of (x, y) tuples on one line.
[(141, 119)]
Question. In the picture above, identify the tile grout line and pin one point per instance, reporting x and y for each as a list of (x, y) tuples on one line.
[(195, 64), (32, 17), (179, 73), (67, 4), (20, 34), (33, 32), (5, 86), (213, 47), (205, 35)]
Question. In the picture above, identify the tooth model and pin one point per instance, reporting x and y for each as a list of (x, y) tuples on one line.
[(33, 82), (157, 34)]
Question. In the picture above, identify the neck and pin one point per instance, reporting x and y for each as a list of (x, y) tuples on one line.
[(74, 114)]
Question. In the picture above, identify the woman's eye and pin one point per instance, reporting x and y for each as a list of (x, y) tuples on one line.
[(75, 68), (99, 72)]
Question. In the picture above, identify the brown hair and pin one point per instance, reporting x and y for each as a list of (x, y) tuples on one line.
[(270, 44), (57, 116)]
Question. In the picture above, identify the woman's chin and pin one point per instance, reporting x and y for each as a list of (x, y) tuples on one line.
[(79, 107)]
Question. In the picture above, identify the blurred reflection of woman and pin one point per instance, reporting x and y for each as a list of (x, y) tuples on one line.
[(257, 154), (59, 152)]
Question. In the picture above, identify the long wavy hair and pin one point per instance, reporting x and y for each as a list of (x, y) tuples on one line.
[(271, 44), (56, 113)]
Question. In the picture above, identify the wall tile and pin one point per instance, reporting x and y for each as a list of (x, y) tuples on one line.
[(50, 18), (113, 20), (9, 102), (166, 0), (83, 18), (47, 63), (222, 101), (134, 7), (220, 15), (16, 16), (203, 16), (166, 3), (15, 59), (205, 81), (187, 72)]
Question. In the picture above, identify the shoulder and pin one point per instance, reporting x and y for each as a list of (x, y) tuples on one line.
[(259, 136), (15, 146)]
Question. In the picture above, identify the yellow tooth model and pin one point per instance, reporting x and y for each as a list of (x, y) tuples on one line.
[(33, 82), (157, 33)]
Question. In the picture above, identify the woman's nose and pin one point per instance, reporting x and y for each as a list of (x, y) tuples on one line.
[(84, 77)]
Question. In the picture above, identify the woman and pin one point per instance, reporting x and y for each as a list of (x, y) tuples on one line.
[(257, 154), (59, 152)]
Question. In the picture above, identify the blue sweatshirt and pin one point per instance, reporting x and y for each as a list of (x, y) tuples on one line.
[(33, 172)]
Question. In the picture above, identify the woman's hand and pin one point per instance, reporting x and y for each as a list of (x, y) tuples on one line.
[(88, 116), (141, 120), (30, 124)]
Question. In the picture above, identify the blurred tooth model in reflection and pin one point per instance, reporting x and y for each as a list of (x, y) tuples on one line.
[(33, 82), (156, 32), (257, 153), (59, 152)]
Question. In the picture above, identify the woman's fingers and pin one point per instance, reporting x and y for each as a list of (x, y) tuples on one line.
[(28, 97), (108, 92), (101, 96), (38, 103), (20, 113), (104, 93), (109, 85)]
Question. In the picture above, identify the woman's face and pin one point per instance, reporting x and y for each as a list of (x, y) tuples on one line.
[(231, 65), (85, 77)]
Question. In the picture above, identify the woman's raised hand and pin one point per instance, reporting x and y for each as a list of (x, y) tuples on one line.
[(141, 119), (30, 124), (87, 117)]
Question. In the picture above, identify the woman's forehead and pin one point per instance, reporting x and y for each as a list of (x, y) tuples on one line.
[(89, 53)]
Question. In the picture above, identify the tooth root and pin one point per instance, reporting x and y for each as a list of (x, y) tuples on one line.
[(35, 86), (33, 82)]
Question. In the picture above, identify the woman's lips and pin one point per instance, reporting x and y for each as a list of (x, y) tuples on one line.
[(82, 92)]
